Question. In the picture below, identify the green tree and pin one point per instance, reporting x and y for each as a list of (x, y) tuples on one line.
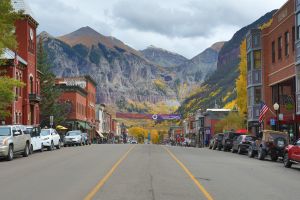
[(7, 40), (7, 94), (50, 104), (7, 19)]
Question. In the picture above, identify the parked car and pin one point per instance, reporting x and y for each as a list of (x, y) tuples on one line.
[(35, 136), (13, 141), (133, 142), (50, 139), (292, 154), (86, 139), (271, 143), (216, 141), (73, 138), (242, 143), (227, 140)]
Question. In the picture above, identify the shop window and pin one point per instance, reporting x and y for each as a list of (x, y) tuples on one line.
[(257, 95), (257, 59), (279, 48), (273, 52), (286, 38)]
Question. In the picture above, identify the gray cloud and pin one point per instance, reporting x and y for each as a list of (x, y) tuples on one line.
[(183, 26), (192, 19)]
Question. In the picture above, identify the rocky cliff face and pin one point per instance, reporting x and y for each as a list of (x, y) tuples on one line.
[(126, 76), (120, 71), (163, 57)]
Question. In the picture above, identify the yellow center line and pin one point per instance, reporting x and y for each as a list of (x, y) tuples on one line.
[(198, 184), (100, 184)]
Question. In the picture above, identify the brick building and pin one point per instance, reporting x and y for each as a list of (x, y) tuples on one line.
[(271, 63), (80, 93), (22, 66)]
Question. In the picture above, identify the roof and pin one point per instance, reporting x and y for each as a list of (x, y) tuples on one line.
[(10, 55), (218, 110)]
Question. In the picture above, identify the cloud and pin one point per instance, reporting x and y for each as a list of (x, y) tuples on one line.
[(183, 26)]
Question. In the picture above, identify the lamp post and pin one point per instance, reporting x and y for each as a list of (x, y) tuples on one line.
[(276, 108)]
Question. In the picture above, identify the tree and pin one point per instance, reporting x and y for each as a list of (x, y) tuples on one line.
[(7, 19), (233, 121), (7, 40), (241, 82), (50, 104), (7, 94)]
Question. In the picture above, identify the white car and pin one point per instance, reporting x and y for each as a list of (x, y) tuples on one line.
[(50, 139), (36, 140)]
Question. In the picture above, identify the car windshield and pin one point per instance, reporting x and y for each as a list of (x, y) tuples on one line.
[(276, 135), (73, 133), (45, 132), (5, 131), (29, 130), (220, 137), (249, 138)]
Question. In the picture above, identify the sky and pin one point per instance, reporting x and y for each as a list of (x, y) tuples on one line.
[(186, 27)]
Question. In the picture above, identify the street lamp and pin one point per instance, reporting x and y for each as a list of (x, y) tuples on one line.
[(276, 108)]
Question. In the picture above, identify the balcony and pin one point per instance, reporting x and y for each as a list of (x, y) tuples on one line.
[(34, 98)]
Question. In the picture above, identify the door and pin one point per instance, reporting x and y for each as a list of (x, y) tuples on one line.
[(17, 135), (296, 151)]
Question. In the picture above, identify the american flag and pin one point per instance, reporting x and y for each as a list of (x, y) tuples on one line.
[(263, 109)]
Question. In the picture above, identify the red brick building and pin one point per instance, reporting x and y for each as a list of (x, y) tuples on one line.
[(272, 59), (80, 93), (22, 66)]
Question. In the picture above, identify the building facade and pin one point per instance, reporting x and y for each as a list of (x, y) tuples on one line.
[(22, 65), (279, 46)]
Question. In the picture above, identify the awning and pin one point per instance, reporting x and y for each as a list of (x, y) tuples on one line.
[(59, 127), (84, 125), (100, 134)]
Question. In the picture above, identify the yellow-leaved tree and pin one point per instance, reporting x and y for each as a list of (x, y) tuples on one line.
[(241, 82)]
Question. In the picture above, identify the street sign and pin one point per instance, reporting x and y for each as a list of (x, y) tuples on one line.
[(51, 120), (272, 122)]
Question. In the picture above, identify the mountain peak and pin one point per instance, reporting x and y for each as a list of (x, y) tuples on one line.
[(217, 46)]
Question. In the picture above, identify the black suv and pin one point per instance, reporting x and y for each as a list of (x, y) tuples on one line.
[(270, 143), (227, 140), (242, 143)]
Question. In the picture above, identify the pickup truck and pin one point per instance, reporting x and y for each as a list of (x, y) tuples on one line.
[(13, 141)]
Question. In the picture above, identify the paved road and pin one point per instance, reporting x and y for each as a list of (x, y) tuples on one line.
[(147, 172)]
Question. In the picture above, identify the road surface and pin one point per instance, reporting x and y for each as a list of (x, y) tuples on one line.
[(145, 172)]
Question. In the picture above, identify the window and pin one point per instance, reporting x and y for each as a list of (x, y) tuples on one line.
[(249, 61), (257, 95), (275, 94), (256, 40), (273, 52), (257, 59), (298, 26), (287, 40), (279, 47), (31, 84)]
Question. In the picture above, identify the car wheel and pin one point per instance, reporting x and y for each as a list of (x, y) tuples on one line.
[(224, 149), (261, 153), (26, 150), (51, 148), (239, 151), (232, 150), (31, 149), (58, 146), (286, 161), (219, 148), (10, 155), (250, 152)]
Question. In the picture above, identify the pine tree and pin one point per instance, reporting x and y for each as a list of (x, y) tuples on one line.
[(50, 104)]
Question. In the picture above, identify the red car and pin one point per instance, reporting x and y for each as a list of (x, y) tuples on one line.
[(292, 154)]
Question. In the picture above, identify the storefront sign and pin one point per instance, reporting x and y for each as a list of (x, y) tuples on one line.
[(280, 117), (272, 122)]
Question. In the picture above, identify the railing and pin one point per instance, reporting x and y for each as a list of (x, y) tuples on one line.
[(34, 97)]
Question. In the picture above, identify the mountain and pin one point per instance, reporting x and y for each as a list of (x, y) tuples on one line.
[(122, 73), (219, 87), (163, 57), (196, 70)]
